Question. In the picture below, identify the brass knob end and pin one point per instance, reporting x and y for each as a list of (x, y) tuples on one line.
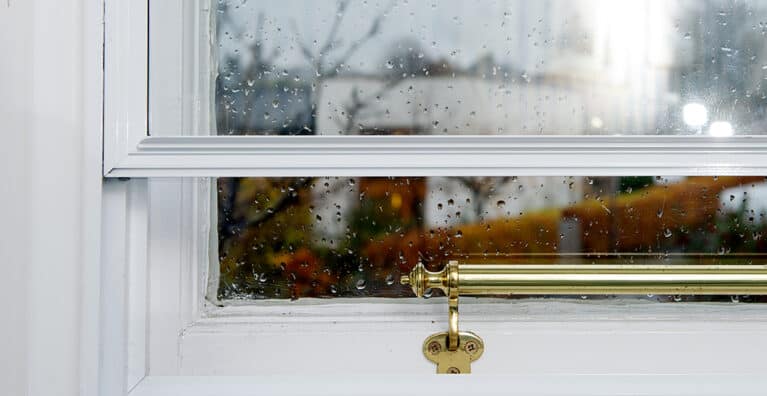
[(421, 280), (417, 279)]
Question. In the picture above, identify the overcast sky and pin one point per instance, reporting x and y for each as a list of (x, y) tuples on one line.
[(514, 31)]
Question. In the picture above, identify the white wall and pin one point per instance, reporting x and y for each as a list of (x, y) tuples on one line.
[(49, 173), (15, 107)]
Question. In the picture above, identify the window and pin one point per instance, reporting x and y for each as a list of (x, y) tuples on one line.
[(547, 124)]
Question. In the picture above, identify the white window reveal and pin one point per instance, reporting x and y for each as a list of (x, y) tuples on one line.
[(308, 162)]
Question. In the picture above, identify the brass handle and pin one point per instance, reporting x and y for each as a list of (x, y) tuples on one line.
[(502, 279)]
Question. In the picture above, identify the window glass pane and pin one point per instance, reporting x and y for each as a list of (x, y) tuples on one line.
[(677, 67), (352, 237)]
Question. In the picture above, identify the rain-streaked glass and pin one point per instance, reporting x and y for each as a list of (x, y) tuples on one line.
[(293, 238), (676, 67)]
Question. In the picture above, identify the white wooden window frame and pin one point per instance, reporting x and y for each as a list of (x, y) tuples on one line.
[(129, 151), (159, 335)]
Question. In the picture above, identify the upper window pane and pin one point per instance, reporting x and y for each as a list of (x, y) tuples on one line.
[(682, 67)]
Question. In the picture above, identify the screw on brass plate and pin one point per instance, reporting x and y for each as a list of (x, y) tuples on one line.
[(434, 347), (470, 347), (453, 370)]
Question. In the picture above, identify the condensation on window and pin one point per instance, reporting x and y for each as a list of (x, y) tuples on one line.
[(677, 67), (292, 238)]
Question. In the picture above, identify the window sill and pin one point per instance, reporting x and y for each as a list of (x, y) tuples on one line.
[(571, 385), (524, 337)]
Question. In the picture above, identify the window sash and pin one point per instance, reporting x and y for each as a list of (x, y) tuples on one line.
[(183, 108)]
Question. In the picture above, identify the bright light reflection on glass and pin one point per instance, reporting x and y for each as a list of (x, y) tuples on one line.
[(695, 115), (721, 129)]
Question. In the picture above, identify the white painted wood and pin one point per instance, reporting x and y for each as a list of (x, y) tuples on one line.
[(136, 272), (125, 77), (165, 276), (179, 209), (113, 303), (122, 332), (444, 156), (92, 170), (51, 155), (61, 132), (16, 108), (523, 337), (167, 65), (507, 384), (178, 256)]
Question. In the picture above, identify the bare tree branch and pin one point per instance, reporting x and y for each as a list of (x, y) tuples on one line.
[(305, 50), (331, 42), (375, 28), (359, 104)]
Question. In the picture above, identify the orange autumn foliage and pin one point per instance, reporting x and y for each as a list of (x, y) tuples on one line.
[(637, 221), (626, 223)]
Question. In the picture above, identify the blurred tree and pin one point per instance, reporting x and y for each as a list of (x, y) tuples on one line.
[(244, 84)]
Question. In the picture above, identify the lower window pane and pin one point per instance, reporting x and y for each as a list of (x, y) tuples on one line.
[(292, 238)]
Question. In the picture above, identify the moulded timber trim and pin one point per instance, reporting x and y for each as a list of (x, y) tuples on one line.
[(276, 156)]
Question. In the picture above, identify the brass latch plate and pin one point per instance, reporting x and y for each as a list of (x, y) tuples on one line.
[(470, 348)]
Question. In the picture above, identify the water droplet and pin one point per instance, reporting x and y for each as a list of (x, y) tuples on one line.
[(500, 204), (667, 233), (389, 65), (390, 279), (361, 284)]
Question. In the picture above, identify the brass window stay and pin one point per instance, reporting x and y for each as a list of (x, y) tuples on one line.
[(454, 350)]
